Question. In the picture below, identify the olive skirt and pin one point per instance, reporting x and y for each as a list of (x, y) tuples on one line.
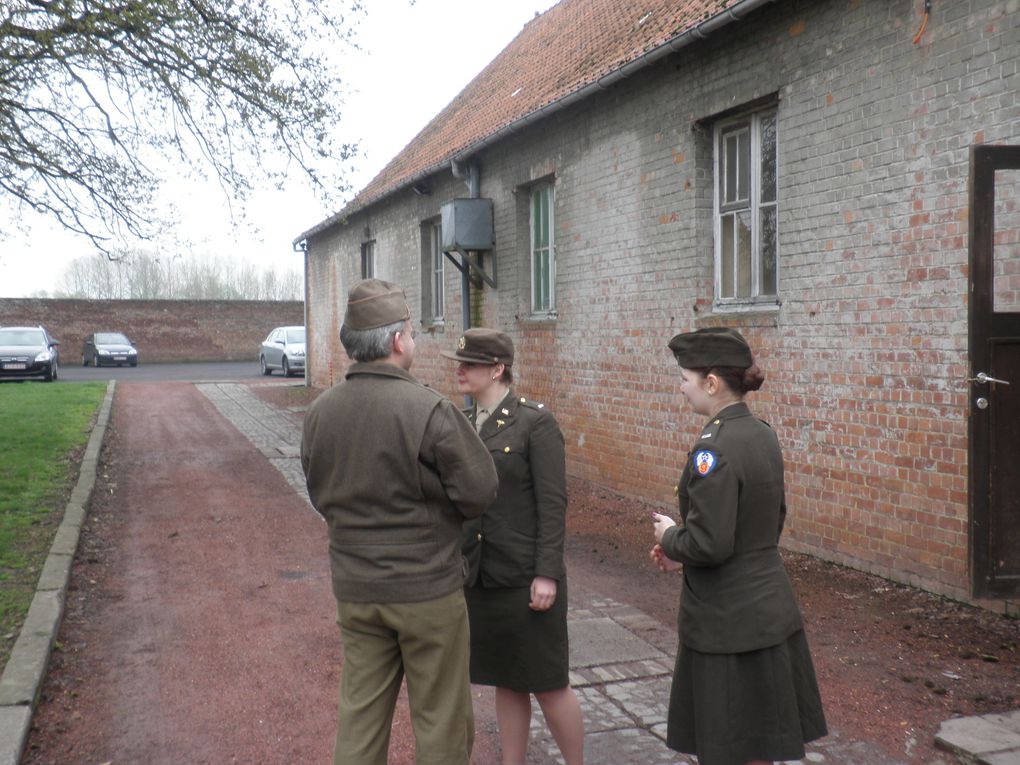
[(514, 647), (731, 708)]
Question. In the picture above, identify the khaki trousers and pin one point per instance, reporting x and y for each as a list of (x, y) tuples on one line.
[(429, 643)]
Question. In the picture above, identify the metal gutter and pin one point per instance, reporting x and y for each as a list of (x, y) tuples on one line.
[(699, 32)]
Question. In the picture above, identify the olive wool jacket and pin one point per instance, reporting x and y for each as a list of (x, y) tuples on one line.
[(395, 469), (521, 535), (736, 594)]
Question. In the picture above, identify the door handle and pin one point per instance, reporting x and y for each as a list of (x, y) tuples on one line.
[(981, 377)]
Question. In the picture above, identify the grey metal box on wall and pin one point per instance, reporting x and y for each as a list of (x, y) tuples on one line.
[(467, 225)]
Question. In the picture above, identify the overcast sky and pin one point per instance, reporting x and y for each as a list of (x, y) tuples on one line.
[(415, 59)]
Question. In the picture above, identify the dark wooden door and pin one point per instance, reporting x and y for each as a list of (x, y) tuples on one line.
[(994, 347)]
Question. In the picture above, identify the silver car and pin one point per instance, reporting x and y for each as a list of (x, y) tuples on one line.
[(283, 349)]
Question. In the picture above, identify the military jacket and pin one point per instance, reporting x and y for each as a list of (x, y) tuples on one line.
[(394, 469), (736, 594), (520, 536)]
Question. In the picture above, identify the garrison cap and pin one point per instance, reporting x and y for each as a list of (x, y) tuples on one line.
[(483, 346), (373, 303), (711, 347)]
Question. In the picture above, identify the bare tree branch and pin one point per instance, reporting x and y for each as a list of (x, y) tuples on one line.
[(92, 93)]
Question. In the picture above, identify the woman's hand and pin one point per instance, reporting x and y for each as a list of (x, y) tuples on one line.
[(662, 522), (666, 564), (543, 593)]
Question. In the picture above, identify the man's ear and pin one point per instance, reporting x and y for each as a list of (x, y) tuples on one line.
[(398, 342)]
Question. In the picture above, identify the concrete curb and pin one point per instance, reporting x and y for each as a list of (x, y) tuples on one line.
[(23, 676)]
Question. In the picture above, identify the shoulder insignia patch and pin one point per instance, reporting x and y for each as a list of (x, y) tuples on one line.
[(704, 462)]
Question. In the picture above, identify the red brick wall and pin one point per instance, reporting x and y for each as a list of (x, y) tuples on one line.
[(162, 330)]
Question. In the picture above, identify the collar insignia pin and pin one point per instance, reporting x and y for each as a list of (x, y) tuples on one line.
[(460, 343), (500, 423), (505, 411)]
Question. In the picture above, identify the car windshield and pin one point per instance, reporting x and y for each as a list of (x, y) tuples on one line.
[(111, 338), (22, 337), (296, 335)]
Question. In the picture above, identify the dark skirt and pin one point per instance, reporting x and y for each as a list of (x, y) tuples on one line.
[(514, 647), (731, 708)]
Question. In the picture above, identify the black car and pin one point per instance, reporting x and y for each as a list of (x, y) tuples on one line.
[(28, 352), (108, 349)]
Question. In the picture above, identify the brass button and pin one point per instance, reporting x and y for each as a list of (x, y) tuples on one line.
[(506, 450), (479, 536), (676, 490)]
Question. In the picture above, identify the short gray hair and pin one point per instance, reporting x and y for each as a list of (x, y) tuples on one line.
[(370, 344)]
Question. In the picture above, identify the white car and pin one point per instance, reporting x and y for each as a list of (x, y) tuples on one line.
[(283, 349)]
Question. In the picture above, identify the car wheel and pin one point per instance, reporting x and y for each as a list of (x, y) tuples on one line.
[(262, 365), (84, 360), (286, 367), (95, 360), (51, 373)]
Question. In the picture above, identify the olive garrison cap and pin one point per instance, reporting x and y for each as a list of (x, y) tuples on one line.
[(711, 347), (483, 346), (373, 303)]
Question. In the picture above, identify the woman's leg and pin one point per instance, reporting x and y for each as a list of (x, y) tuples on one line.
[(563, 714), (513, 714)]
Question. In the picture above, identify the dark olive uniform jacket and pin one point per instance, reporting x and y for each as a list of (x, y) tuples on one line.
[(520, 536), (736, 594), (395, 470)]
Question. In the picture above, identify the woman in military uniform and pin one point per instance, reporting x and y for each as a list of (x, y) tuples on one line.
[(744, 689), (516, 587)]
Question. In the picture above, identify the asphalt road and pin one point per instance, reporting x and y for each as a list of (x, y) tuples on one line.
[(201, 371)]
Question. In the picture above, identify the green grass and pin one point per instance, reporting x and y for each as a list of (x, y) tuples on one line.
[(43, 431)]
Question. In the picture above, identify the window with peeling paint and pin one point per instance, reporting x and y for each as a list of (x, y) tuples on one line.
[(368, 260), (433, 274), (543, 251), (746, 210)]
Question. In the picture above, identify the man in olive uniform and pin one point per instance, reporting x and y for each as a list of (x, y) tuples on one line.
[(395, 469)]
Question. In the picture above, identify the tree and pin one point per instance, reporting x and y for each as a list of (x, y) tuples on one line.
[(140, 275), (94, 92)]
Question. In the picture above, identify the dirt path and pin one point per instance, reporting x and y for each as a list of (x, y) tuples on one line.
[(200, 624)]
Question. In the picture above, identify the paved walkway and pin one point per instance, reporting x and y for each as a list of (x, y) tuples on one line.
[(621, 659)]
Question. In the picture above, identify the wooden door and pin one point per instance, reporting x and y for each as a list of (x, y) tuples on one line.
[(994, 347)]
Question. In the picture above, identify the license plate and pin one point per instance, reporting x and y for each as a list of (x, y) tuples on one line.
[(15, 366), (120, 358)]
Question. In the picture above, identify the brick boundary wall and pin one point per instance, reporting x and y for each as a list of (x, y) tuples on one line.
[(162, 330)]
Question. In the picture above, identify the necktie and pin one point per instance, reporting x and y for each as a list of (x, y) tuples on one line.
[(480, 418)]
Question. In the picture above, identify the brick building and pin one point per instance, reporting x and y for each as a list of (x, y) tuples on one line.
[(801, 171)]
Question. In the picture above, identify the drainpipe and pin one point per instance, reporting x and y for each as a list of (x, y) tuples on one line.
[(470, 176), (302, 247)]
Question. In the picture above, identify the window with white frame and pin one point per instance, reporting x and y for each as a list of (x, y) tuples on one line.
[(433, 275), (368, 260), (746, 211), (543, 250)]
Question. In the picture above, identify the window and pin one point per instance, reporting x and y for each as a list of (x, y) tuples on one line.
[(368, 260), (543, 251), (746, 214), (433, 276)]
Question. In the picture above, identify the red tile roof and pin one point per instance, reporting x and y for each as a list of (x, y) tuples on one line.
[(559, 53)]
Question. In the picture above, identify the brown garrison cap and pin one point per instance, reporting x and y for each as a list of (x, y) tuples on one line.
[(483, 346), (711, 347), (373, 303)]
